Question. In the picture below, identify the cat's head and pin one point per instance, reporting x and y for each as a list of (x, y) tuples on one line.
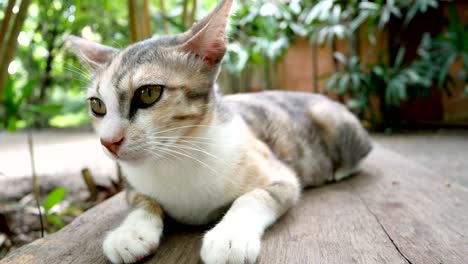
[(155, 91)]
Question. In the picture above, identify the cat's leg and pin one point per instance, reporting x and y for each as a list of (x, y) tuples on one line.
[(237, 237), (347, 141), (138, 236)]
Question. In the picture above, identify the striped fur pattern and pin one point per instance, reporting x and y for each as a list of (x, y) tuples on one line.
[(201, 157)]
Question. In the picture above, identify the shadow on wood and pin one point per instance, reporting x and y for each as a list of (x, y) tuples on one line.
[(394, 211)]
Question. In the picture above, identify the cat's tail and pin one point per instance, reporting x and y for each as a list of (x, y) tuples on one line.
[(347, 141)]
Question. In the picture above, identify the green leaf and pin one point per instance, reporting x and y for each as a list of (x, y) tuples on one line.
[(54, 197), (69, 119), (356, 82), (340, 57), (25, 92), (332, 83), (343, 84), (44, 109), (443, 73), (322, 33), (9, 96), (299, 29), (399, 58), (11, 124), (55, 220)]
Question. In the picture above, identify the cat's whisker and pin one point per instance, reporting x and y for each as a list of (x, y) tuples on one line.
[(78, 71), (218, 145), (199, 150), (177, 139), (186, 137), (191, 157), (187, 126), (161, 155)]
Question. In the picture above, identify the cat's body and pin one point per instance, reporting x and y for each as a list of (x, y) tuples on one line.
[(190, 153), (284, 125)]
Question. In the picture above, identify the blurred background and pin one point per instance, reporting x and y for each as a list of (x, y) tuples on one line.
[(400, 65)]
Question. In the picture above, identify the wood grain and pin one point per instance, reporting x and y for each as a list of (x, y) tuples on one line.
[(394, 211)]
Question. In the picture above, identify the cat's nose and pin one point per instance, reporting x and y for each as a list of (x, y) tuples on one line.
[(113, 144)]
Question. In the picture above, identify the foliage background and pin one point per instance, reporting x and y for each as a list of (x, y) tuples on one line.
[(46, 83)]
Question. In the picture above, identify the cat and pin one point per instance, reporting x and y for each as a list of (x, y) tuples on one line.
[(197, 156)]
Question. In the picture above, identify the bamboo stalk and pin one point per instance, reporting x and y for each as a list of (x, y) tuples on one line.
[(162, 8), (184, 13), (192, 15), (146, 20), (88, 179), (35, 186), (132, 21), (4, 28), (12, 44)]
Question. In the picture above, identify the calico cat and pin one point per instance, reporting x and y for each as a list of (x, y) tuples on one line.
[(197, 156)]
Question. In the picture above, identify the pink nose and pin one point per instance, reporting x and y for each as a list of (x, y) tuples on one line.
[(113, 144)]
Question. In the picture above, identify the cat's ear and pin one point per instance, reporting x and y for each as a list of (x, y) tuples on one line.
[(91, 53), (207, 39)]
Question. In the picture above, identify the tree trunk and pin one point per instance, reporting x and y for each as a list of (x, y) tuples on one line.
[(184, 13), (139, 20), (146, 19), (194, 11), (12, 43), (132, 20), (162, 8), (47, 77), (4, 27)]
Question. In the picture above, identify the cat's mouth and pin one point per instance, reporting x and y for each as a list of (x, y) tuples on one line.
[(122, 155)]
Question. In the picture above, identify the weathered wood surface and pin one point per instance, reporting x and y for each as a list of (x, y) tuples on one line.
[(394, 211)]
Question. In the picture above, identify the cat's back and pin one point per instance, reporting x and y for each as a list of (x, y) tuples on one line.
[(274, 114), (309, 132)]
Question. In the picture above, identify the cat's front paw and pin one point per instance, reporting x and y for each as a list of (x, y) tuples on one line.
[(135, 239), (225, 244)]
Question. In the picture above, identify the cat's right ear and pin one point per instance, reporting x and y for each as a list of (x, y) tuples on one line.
[(94, 55)]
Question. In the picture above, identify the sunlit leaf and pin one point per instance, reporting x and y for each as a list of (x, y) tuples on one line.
[(69, 119), (55, 220), (54, 198)]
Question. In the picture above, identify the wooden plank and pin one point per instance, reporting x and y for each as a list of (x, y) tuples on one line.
[(426, 219), (330, 225), (393, 212)]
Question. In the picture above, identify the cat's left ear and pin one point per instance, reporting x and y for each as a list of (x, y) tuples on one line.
[(207, 39), (91, 53)]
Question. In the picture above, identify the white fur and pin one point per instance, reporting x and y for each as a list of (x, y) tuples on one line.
[(237, 238), (189, 190), (135, 238), (342, 173), (112, 123)]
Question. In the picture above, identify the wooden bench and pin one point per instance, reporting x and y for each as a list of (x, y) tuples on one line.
[(394, 211)]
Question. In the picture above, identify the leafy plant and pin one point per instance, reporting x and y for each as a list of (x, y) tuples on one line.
[(449, 47), (52, 199), (13, 100), (17, 111)]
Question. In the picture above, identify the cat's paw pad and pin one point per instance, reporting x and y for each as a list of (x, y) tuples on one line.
[(224, 245), (130, 243)]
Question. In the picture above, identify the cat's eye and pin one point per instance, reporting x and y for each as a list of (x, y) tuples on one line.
[(147, 95), (97, 106)]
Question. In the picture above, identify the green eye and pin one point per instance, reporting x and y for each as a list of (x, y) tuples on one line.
[(147, 95), (97, 106)]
